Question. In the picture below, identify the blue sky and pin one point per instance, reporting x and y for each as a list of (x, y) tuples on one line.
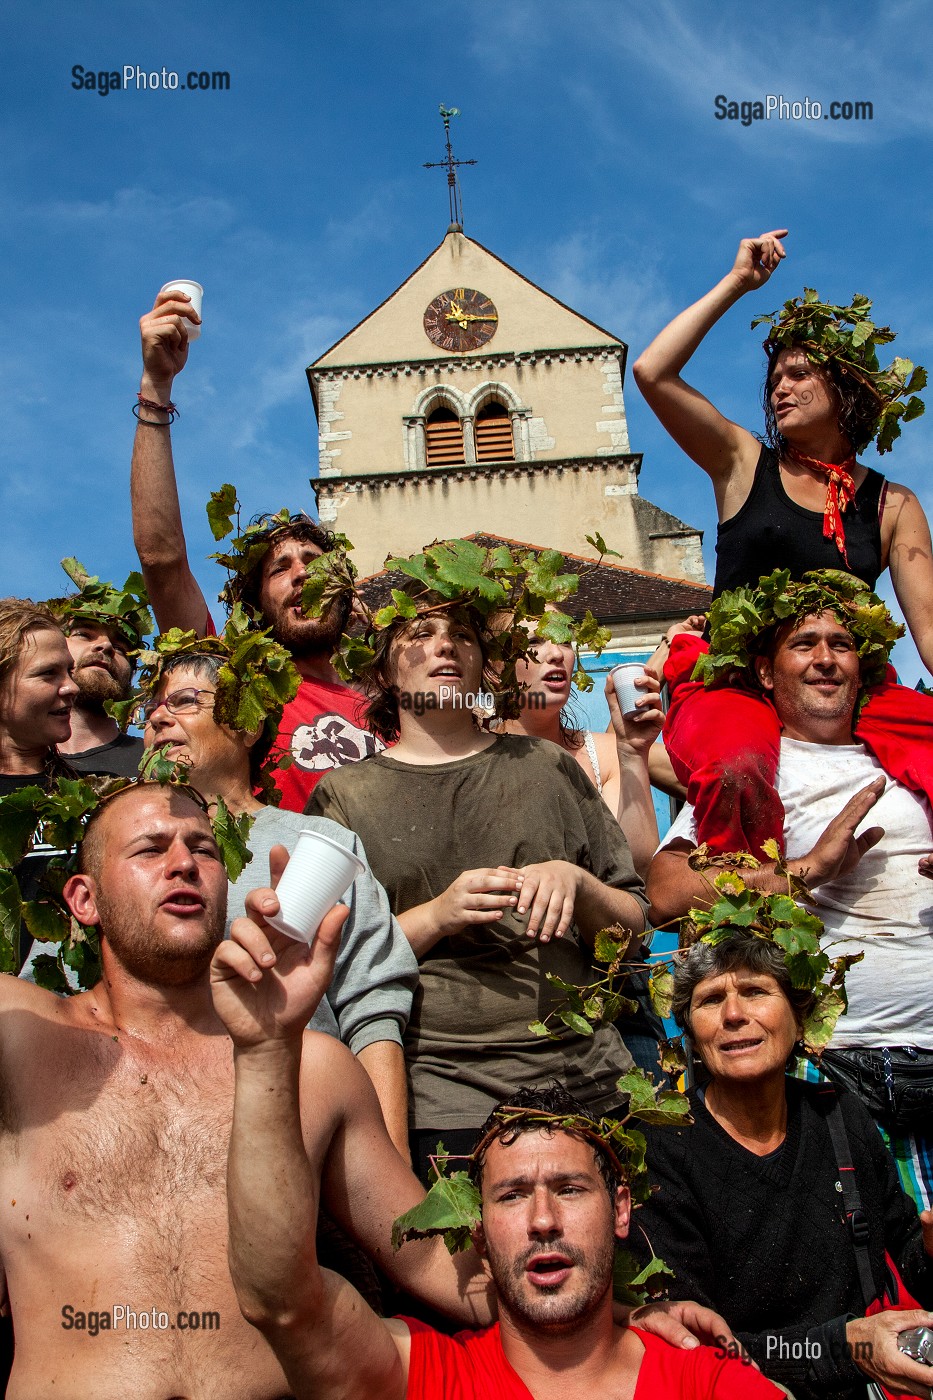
[(299, 200)]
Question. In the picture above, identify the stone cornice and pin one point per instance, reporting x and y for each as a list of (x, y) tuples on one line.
[(473, 471), (391, 369)]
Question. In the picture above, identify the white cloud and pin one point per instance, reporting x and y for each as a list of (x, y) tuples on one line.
[(135, 208), (693, 52), (621, 288), (291, 343)]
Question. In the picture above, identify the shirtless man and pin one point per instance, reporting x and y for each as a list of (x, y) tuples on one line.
[(115, 1113), (115, 1109)]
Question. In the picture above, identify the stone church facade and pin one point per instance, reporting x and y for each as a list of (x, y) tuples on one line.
[(473, 401)]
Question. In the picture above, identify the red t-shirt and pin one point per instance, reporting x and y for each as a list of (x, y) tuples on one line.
[(472, 1366), (324, 729)]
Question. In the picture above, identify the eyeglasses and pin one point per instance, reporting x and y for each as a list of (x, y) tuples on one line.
[(177, 703)]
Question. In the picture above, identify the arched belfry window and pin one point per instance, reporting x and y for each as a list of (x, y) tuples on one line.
[(443, 438), (493, 433)]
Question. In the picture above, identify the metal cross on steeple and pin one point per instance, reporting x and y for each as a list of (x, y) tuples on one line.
[(453, 184)]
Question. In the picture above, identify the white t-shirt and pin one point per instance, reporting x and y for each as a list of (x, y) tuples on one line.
[(883, 908)]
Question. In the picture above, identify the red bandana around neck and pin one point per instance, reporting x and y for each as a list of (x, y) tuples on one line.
[(840, 493)]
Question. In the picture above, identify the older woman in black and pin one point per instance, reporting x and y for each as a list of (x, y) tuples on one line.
[(748, 1212)]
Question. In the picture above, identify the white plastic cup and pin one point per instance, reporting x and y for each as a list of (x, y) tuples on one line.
[(195, 291), (318, 872), (623, 680)]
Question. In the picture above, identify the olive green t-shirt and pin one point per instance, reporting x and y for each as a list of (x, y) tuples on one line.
[(519, 802)]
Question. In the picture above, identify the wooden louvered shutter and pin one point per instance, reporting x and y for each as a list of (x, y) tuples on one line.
[(443, 436), (493, 434)]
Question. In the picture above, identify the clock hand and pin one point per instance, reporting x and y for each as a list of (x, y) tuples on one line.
[(464, 316)]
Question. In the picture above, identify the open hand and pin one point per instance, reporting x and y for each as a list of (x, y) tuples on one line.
[(839, 850), (683, 1324)]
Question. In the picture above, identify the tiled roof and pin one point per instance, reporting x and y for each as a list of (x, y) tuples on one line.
[(612, 592)]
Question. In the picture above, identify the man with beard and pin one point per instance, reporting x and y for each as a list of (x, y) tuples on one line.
[(369, 1001), (553, 1203), (269, 583), (104, 626)]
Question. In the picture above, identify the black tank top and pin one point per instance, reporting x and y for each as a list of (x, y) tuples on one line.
[(771, 532)]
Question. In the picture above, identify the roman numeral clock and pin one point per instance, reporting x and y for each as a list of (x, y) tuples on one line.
[(460, 320)]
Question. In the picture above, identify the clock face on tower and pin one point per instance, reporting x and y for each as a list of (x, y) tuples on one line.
[(460, 320)]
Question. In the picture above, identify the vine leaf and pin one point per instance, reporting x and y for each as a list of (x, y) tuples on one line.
[(232, 834), (221, 508), (740, 615), (635, 1284), (126, 608), (661, 990), (11, 909), (451, 1208), (672, 1056), (847, 336), (18, 823), (516, 593)]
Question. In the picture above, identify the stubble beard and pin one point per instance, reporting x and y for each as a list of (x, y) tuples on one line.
[(564, 1309), (811, 705), (153, 963)]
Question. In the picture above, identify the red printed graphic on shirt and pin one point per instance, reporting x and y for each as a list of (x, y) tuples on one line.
[(322, 728)]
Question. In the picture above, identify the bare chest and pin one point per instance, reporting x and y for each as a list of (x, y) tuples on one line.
[(113, 1203), (115, 1138), (118, 1168)]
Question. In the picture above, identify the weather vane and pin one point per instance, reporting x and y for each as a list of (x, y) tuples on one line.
[(453, 184)]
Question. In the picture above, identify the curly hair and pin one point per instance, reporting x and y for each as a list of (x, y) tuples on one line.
[(858, 406), (246, 587), (551, 1099)]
